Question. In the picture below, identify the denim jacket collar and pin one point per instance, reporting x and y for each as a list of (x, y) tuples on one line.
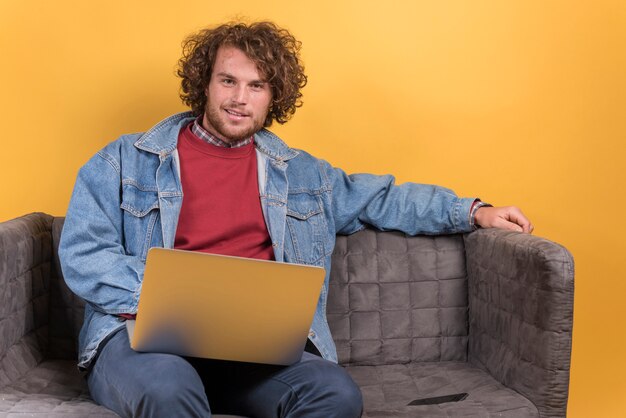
[(273, 146), (162, 138)]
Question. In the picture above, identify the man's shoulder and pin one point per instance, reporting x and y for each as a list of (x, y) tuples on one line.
[(272, 145), (121, 148), (162, 137), (116, 154), (307, 160), (304, 170), (307, 171), (122, 142)]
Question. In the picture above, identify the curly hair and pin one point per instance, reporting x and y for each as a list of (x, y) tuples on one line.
[(275, 52)]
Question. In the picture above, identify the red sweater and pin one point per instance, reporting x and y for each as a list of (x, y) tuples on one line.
[(221, 211)]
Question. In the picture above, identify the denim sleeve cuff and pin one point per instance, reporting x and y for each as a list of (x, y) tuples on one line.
[(472, 214)]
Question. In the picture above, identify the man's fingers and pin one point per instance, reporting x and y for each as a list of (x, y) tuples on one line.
[(511, 226), (508, 217), (515, 215)]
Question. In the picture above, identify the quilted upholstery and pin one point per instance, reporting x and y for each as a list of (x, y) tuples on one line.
[(388, 389), (489, 314), (396, 299), (54, 388), (25, 270), (521, 299), (66, 309)]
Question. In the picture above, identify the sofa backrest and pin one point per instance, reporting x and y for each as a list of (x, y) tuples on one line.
[(66, 309), (396, 299), (392, 299)]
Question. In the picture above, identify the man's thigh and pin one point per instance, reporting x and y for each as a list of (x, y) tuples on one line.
[(145, 384), (313, 387)]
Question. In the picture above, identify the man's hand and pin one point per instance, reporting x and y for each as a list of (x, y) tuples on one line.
[(507, 217)]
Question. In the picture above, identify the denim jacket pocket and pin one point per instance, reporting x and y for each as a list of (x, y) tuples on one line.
[(306, 226), (141, 213)]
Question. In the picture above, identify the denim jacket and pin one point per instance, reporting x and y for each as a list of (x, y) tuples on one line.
[(127, 198)]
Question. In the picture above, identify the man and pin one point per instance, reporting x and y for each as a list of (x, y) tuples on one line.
[(215, 180)]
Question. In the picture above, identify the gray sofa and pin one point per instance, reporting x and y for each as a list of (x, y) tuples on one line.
[(488, 314)]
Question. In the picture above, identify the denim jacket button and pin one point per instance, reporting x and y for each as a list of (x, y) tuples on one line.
[(311, 334)]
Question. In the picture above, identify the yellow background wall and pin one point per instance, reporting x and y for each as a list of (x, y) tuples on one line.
[(518, 102)]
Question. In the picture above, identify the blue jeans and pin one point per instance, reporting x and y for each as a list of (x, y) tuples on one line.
[(137, 384)]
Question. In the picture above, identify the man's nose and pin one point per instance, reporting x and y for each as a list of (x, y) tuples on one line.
[(240, 94)]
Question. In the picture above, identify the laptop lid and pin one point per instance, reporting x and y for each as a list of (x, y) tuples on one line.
[(228, 308)]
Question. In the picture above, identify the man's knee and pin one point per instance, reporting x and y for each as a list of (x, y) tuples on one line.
[(346, 394), (333, 387), (170, 386), (169, 398)]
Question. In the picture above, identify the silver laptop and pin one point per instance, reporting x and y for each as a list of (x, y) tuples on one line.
[(227, 308)]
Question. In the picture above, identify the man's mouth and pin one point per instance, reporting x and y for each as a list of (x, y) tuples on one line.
[(235, 113)]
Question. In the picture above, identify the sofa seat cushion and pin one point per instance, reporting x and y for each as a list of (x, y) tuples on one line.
[(388, 389), (54, 388)]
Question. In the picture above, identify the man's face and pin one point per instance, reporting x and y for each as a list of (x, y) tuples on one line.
[(238, 97)]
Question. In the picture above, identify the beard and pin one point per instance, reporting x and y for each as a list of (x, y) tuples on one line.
[(228, 131)]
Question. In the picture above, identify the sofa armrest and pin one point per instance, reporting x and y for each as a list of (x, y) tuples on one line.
[(521, 296), (25, 270)]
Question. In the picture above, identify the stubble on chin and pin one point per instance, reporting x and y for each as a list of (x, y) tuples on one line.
[(218, 126)]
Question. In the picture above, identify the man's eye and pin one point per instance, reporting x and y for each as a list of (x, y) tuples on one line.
[(228, 81), (257, 86)]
